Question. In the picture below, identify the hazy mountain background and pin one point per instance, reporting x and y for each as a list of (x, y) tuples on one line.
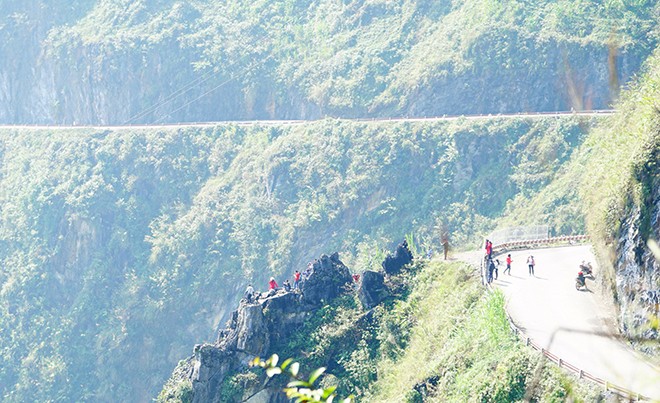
[(121, 248)]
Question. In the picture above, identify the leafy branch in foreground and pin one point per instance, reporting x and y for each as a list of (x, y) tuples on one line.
[(299, 389)]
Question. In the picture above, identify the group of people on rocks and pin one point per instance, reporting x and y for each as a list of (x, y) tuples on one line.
[(298, 278)]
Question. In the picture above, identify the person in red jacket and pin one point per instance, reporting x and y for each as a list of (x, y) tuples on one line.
[(296, 280), (272, 284), (489, 249), (508, 264)]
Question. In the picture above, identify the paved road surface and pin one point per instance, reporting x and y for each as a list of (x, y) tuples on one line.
[(574, 325), (604, 112)]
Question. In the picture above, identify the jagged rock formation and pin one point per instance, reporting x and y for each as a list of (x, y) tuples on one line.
[(329, 276), (256, 328), (372, 289), (402, 256)]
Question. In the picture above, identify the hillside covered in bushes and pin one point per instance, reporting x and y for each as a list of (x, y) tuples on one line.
[(123, 248)]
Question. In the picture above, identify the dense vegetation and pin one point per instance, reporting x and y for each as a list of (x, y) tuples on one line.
[(624, 157), (115, 61), (121, 249)]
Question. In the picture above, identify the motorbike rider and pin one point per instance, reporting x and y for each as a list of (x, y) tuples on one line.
[(586, 267), (580, 278)]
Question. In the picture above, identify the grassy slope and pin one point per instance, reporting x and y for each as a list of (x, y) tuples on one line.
[(462, 349), (617, 153), (558, 204)]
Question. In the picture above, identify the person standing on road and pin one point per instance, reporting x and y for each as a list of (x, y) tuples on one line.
[(489, 249), (508, 264), (491, 270), (445, 243), (531, 264)]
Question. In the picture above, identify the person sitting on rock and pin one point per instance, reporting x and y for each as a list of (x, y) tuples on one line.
[(286, 285), (272, 287), (308, 271), (249, 293)]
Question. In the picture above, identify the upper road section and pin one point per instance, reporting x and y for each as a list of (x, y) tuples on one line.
[(300, 122)]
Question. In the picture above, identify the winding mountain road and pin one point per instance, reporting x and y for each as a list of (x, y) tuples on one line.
[(577, 326)]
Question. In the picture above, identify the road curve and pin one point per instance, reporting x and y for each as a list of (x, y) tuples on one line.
[(530, 115), (577, 326)]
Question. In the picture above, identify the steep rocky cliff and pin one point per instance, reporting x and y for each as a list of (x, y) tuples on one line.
[(261, 326), (636, 266)]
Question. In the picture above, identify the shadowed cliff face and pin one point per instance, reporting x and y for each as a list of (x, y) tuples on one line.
[(637, 269), (85, 84), (91, 62)]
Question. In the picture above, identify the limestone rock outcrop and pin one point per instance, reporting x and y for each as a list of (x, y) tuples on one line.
[(637, 270), (259, 328), (394, 263), (372, 289), (327, 280)]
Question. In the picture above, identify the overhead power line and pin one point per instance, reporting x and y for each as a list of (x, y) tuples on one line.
[(222, 84), (199, 80)]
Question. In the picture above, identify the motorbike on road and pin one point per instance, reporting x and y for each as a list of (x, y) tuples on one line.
[(580, 282)]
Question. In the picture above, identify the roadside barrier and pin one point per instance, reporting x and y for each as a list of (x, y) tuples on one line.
[(582, 374), (533, 244)]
